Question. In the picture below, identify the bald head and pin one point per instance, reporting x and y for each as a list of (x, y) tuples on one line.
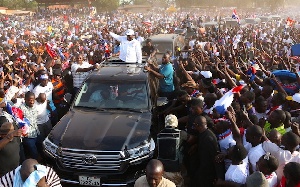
[(275, 137), (27, 168), (155, 166), (6, 127), (154, 172), (42, 98)]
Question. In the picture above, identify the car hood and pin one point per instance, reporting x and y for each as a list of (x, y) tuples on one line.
[(107, 131)]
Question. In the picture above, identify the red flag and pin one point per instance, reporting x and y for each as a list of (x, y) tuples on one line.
[(290, 22), (147, 23), (50, 50)]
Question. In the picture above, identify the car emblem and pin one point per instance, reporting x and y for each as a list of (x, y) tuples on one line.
[(89, 159)]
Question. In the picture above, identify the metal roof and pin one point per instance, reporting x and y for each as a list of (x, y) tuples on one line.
[(163, 37), (62, 1)]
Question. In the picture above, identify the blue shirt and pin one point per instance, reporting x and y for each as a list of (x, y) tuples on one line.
[(166, 84)]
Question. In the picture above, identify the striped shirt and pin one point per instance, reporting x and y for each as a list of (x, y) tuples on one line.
[(79, 77), (52, 178)]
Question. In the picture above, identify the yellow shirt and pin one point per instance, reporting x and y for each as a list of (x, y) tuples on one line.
[(279, 129), (142, 182)]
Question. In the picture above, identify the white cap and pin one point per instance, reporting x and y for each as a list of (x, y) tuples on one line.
[(129, 32), (296, 97), (171, 120), (206, 74)]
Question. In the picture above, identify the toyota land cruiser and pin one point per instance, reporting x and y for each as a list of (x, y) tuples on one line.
[(104, 140)]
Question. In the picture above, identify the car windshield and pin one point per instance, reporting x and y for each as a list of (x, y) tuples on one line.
[(113, 95), (163, 47)]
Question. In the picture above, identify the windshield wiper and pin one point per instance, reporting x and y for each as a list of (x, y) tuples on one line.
[(124, 109), (91, 107)]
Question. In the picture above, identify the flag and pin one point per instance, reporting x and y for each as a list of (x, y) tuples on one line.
[(62, 56), (289, 22), (50, 50), (18, 115), (224, 102), (147, 23), (251, 72), (235, 16)]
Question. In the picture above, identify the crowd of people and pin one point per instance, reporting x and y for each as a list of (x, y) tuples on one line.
[(238, 120)]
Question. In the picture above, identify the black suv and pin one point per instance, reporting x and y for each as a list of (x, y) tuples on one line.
[(104, 140)]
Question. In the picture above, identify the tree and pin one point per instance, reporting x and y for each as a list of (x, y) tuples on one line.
[(106, 5), (19, 4)]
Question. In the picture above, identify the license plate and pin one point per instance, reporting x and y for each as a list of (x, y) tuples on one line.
[(89, 181)]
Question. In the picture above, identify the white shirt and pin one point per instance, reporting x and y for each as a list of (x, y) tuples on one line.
[(79, 77), (283, 156), (254, 155), (192, 43), (238, 173), (11, 93), (246, 144), (130, 51), (272, 179), (42, 116), (27, 88), (46, 89), (225, 144)]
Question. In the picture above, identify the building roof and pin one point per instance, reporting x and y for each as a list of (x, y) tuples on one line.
[(66, 2)]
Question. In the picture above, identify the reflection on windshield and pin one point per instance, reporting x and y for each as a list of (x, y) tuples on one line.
[(163, 47), (112, 95)]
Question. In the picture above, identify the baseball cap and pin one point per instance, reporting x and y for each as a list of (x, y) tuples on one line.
[(44, 76), (295, 97), (206, 74), (129, 32), (257, 179), (171, 120)]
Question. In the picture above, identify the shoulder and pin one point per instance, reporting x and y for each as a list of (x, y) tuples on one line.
[(167, 183), (74, 67), (7, 179), (141, 182), (52, 178)]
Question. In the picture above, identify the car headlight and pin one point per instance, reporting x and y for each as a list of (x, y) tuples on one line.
[(142, 150), (50, 147)]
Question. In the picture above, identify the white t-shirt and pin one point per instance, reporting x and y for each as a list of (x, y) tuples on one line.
[(225, 144), (246, 144), (28, 88), (11, 93), (42, 116), (272, 179), (254, 155), (238, 173), (46, 89), (130, 51), (283, 156)]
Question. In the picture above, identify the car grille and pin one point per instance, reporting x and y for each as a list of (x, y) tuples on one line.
[(105, 160)]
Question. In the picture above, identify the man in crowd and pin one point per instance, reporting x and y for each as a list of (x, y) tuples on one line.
[(154, 176), (130, 48), (165, 75), (9, 147), (31, 173), (222, 60)]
